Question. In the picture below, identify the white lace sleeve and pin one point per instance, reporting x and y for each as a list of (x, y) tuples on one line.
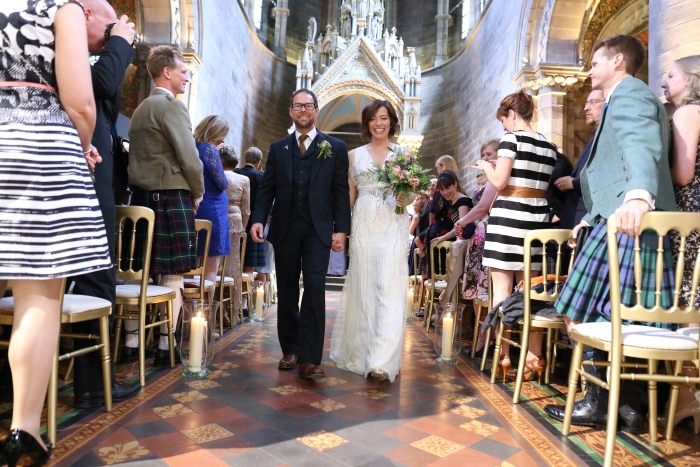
[(352, 175)]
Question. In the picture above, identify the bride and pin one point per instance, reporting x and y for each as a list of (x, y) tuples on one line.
[(369, 328)]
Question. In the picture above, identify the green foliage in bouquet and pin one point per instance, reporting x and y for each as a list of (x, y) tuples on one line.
[(399, 172)]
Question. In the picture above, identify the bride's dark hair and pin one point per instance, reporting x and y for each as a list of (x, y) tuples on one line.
[(371, 110)]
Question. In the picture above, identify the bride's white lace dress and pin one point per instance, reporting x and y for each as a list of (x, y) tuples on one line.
[(369, 327)]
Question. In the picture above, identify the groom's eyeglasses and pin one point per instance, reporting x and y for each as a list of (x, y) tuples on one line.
[(298, 107)]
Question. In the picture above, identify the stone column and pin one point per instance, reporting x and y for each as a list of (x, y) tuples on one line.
[(551, 114), (281, 15), (443, 21), (674, 32)]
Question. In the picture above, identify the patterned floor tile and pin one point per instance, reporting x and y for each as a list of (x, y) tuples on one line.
[(322, 440), (441, 377), (328, 405), (169, 411), (122, 453), (218, 374), (479, 428), (449, 386), (373, 394), (267, 360), (206, 433), (203, 384), (458, 398), (467, 411), (286, 390), (188, 396), (332, 381)]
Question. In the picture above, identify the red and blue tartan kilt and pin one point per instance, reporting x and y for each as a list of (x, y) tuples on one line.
[(585, 296), (174, 236)]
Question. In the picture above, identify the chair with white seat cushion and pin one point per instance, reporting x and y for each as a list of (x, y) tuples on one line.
[(74, 309), (438, 277), (200, 288), (639, 341), (134, 244)]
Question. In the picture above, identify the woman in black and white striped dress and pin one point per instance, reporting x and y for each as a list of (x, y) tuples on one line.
[(525, 164), (50, 221)]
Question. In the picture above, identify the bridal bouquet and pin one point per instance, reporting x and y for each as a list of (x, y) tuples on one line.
[(402, 174)]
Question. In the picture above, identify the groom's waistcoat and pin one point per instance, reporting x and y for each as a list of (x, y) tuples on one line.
[(301, 177)]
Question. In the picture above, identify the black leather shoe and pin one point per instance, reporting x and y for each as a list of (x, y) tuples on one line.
[(583, 415), (131, 354), (20, 446), (419, 314), (120, 392), (162, 357)]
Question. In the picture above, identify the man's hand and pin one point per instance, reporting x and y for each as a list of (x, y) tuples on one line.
[(338, 241), (124, 28), (574, 233), (257, 231), (565, 183), (628, 217)]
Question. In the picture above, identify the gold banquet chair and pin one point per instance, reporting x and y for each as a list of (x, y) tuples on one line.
[(560, 237), (479, 318), (416, 279), (134, 247), (246, 279), (639, 341), (438, 282), (74, 309), (196, 286)]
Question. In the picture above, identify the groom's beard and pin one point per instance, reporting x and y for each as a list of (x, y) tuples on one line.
[(305, 126)]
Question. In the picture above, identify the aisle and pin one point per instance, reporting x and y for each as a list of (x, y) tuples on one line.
[(248, 413)]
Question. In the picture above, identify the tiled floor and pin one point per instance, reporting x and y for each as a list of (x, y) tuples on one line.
[(248, 413)]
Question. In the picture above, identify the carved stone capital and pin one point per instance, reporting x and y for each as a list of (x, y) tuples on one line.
[(192, 60), (555, 77)]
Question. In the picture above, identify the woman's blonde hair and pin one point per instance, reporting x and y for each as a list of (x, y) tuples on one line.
[(690, 66), (448, 162), (492, 142), (212, 128)]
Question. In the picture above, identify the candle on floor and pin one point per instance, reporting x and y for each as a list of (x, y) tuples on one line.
[(409, 306), (198, 326), (259, 293), (447, 336)]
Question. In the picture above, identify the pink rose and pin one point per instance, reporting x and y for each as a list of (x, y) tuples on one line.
[(396, 169), (391, 158), (405, 174)]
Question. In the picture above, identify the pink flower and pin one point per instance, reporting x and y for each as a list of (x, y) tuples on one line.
[(391, 158), (396, 169), (404, 174)]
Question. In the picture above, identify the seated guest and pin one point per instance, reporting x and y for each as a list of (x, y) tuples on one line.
[(418, 203), (211, 132), (254, 251), (423, 226), (628, 153), (682, 88), (238, 192)]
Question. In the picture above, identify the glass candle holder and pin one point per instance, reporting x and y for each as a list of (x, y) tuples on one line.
[(197, 340), (448, 326), (258, 299), (411, 298)]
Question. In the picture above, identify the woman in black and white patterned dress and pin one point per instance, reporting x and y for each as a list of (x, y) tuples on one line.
[(523, 169), (50, 221)]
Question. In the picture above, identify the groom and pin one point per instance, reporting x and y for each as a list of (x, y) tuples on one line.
[(306, 176)]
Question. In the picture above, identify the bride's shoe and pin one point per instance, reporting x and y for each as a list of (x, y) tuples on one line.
[(691, 409), (379, 375)]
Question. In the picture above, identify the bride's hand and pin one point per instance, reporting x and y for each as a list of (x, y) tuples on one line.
[(399, 202)]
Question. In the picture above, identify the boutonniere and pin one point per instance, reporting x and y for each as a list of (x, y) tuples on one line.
[(325, 150)]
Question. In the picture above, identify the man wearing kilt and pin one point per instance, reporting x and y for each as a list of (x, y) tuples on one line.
[(166, 175), (627, 174)]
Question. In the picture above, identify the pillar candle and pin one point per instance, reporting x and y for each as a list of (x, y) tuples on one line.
[(259, 293), (409, 306), (197, 336), (447, 336)]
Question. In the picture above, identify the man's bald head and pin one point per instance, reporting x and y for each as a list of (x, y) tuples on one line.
[(98, 15)]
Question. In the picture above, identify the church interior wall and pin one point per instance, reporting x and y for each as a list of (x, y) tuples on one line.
[(298, 23), (246, 84)]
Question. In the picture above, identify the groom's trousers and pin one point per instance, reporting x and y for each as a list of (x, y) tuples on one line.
[(301, 329)]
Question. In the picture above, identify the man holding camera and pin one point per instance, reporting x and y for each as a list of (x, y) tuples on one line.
[(112, 40)]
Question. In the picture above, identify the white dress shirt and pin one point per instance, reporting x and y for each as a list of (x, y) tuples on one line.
[(311, 134)]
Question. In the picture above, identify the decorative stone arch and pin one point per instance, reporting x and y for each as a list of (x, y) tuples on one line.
[(328, 94), (608, 18)]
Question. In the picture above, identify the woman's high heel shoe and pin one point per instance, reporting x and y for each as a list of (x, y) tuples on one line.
[(20, 446), (692, 409), (533, 367), (504, 365)]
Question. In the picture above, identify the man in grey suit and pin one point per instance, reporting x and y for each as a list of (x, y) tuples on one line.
[(627, 174)]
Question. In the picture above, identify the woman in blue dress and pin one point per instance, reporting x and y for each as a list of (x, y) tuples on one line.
[(210, 133)]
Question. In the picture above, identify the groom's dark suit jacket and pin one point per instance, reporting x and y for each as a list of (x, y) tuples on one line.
[(328, 190)]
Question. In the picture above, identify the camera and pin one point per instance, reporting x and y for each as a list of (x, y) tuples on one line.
[(108, 34)]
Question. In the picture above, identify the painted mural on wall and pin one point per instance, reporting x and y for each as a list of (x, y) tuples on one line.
[(130, 86)]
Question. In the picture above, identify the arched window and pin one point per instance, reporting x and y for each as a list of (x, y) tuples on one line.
[(466, 18), (257, 13)]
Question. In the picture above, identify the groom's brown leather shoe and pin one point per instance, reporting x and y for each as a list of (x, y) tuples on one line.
[(310, 371), (288, 362)]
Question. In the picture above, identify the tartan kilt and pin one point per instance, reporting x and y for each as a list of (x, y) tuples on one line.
[(174, 236), (254, 254), (585, 296)]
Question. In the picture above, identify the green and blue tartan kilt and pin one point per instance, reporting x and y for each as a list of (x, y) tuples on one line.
[(585, 296), (174, 248), (254, 254)]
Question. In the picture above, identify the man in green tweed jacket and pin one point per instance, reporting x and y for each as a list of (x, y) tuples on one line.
[(627, 174)]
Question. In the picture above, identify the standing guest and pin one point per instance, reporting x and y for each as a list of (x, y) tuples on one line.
[(476, 276), (682, 88), (311, 216), (166, 175), (210, 133), (369, 329), (254, 251), (574, 208), (108, 71), (627, 174), (238, 192), (525, 163), (47, 199)]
